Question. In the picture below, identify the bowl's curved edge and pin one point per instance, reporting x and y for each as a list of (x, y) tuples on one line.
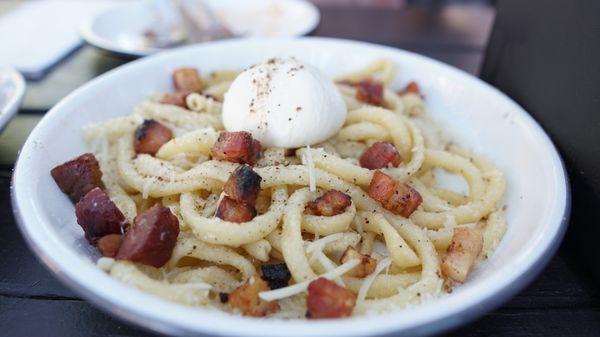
[(470, 314)]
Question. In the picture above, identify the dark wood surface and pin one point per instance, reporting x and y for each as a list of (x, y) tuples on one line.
[(562, 301), (549, 58)]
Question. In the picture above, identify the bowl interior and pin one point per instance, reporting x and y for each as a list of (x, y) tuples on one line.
[(476, 115)]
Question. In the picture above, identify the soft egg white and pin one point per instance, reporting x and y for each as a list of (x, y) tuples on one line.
[(284, 103)]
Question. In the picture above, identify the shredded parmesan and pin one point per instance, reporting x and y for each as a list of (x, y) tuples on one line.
[(325, 261), (311, 170), (364, 288), (328, 265), (297, 288), (314, 256), (319, 244), (218, 203), (146, 188)]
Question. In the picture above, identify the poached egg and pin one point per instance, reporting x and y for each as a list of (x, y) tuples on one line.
[(284, 103)]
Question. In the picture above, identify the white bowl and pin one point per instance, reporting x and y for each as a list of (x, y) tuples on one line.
[(479, 116), (12, 91), (120, 29)]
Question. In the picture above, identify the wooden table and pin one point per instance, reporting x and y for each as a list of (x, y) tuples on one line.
[(563, 301)]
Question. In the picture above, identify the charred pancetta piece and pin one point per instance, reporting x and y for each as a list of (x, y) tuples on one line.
[(331, 203), (150, 136), (462, 253), (235, 211), (237, 147), (370, 92), (99, 216), (243, 185), (176, 98), (151, 238), (277, 275), (108, 245), (396, 197), (367, 264), (326, 299), (78, 176), (411, 88), (380, 155), (187, 80), (245, 299)]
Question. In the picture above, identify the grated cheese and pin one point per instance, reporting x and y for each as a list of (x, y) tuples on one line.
[(218, 203), (320, 243), (329, 266), (364, 288), (146, 188), (311, 170), (297, 288)]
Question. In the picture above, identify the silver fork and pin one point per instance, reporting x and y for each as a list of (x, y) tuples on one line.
[(201, 22), (185, 21)]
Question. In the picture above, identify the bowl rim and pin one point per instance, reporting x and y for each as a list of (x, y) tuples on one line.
[(426, 323)]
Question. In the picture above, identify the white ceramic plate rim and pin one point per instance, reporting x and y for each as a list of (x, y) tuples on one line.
[(432, 317), (88, 34), (14, 103)]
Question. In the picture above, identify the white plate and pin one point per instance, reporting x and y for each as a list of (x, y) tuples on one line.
[(120, 30), (479, 116), (12, 90)]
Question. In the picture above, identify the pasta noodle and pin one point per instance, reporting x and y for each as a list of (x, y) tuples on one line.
[(213, 256), (217, 231)]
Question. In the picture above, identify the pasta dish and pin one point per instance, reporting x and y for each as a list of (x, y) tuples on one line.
[(280, 192)]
